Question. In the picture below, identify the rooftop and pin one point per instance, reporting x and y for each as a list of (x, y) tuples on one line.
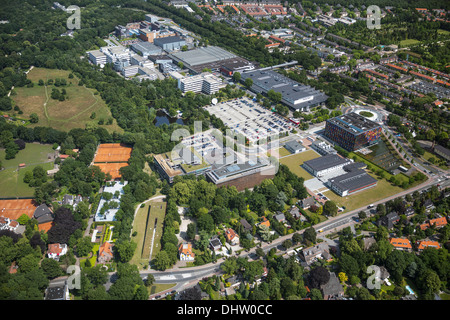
[(353, 123), (327, 161)]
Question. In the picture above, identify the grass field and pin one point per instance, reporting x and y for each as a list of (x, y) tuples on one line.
[(409, 42), (65, 115), (12, 184), (383, 190), (144, 226), (294, 161)]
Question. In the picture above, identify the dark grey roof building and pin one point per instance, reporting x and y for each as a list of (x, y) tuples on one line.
[(295, 95), (333, 289), (294, 146), (353, 181), (170, 43), (326, 164), (43, 214), (388, 220)]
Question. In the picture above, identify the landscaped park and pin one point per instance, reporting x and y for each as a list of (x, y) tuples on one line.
[(79, 108)]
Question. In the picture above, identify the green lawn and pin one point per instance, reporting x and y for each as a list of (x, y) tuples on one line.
[(295, 160), (12, 184), (409, 42), (144, 227)]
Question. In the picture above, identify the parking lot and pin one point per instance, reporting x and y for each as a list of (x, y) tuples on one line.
[(248, 118)]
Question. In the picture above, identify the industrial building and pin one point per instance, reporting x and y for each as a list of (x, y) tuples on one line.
[(325, 165), (294, 147), (295, 95), (171, 43), (355, 180), (212, 58), (146, 49), (352, 131)]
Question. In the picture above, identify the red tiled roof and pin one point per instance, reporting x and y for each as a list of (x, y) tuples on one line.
[(401, 243)]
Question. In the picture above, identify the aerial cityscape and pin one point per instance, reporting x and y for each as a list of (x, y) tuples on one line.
[(231, 151)]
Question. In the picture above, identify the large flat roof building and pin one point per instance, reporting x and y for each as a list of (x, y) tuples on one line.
[(213, 58), (170, 43), (146, 49), (295, 95), (326, 164), (351, 182), (352, 131)]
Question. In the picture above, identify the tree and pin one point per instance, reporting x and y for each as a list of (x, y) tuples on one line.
[(162, 260), (310, 234), (342, 277), (318, 276), (51, 268), (236, 77), (315, 294), (34, 118), (330, 208), (125, 250), (206, 223), (248, 83), (84, 246)]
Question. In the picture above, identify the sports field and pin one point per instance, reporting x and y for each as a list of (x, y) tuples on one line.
[(11, 176), (112, 168), (13, 209), (112, 152), (74, 112)]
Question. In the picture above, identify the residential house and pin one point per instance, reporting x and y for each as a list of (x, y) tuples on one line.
[(428, 204), (185, 252), (43, 214), (306, 203), (280, 217), (422, 245), (437, 223), (8, 224), (57, 292), (319, 251), (246, 225), (368, 242), (389, 220), (333, 289), (409, 211), (295, 213), (232, 237), (55, 250), (265, 222), (401, 244), (67, 200), (215, 244), (105, 253)]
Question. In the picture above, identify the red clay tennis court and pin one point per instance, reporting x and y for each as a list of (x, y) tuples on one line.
[(112, 152), (14, 208), (112, 168)]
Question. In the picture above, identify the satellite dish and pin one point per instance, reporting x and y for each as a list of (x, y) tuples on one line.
[(214, 101)]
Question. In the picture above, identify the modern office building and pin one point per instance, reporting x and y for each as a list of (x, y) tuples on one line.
[(295, 95), (352, 131), (205, 82), (242, 176), (97, 57)]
